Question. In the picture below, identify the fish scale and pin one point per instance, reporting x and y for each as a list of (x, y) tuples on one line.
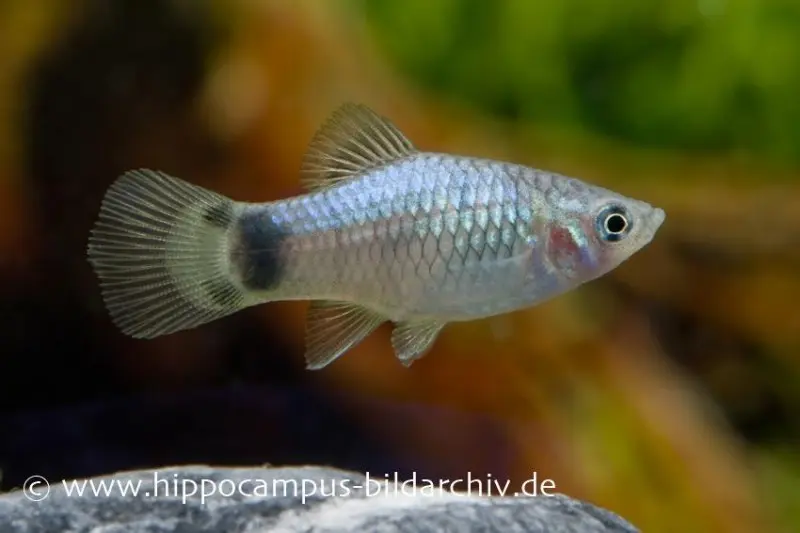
[(423, 252), (385, 232)]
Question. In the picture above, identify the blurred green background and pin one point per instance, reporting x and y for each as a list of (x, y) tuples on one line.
[(668, 391)]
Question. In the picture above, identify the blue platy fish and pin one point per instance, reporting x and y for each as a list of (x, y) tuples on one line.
[(385, 233)]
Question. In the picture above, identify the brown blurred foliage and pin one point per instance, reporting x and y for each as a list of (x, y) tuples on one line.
[(666, 392)]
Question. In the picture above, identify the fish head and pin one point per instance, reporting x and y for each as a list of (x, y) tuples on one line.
[(594, 230)]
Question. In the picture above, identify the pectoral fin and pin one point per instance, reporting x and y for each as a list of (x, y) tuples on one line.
[(332, 328), (412, 339)]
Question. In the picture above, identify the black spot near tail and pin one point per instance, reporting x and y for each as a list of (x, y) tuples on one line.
[(258, 254)]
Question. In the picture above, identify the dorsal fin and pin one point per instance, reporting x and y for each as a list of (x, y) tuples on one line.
[(353, 140)]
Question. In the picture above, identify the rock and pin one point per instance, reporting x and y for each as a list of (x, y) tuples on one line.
[(283, 500)]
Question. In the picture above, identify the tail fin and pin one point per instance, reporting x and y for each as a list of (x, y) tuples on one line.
[(161, 252)]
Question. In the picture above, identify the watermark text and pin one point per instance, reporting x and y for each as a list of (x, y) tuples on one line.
[(174, 485)]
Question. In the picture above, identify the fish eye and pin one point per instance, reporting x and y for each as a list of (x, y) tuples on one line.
[(613, 223), (616, 223)]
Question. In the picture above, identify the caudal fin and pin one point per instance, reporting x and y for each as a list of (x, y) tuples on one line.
[(160, 250)]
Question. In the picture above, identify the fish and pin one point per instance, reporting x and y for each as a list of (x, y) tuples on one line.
[(382, 232)]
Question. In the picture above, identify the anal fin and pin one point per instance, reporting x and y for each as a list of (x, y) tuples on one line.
[(412, 339), (333, 327)]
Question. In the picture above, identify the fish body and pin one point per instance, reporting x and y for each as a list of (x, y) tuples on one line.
[(385, 233)]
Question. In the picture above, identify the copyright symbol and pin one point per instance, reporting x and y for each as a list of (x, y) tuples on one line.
[(36, 488)]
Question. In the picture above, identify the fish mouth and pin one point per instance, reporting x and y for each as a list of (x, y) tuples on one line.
[(654, 221), (658, 218)]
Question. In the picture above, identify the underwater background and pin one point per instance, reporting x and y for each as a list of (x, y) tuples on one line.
[(667, 391)]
